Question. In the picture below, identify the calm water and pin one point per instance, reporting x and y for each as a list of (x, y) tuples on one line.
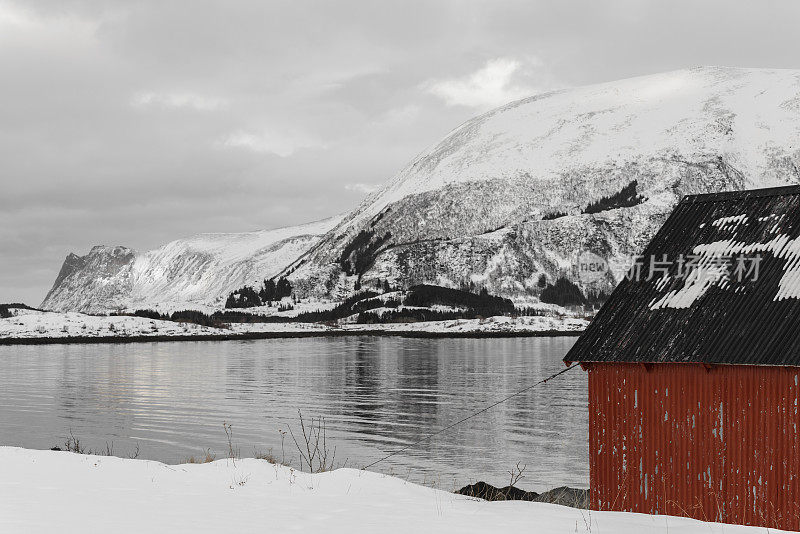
[(377, 395)]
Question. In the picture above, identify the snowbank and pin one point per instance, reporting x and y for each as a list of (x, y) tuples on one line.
[(46, 491)]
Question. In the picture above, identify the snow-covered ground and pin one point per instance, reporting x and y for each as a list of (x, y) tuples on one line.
[(47, 491), (490, 324), (37, 324), (32, 324)]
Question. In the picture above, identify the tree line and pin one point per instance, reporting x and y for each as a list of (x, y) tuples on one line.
[(269, 292), (362, 304)]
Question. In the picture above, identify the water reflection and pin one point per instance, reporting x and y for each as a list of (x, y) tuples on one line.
[(377, 394)]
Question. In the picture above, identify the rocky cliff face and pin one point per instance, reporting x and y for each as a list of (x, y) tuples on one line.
[(98, 281), (505, 200), (194, 273)]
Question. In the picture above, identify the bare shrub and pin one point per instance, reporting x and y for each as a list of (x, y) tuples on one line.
[(233, 453), (73, 444), (517, 474), (266, 456), (283, 449), (205, 458), (313, 445)]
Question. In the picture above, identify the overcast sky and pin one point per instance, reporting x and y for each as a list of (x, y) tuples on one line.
[(136, 123)]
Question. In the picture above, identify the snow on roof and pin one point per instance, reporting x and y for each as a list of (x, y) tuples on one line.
[(719, 283)]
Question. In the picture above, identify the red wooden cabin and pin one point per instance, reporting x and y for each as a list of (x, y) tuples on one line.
[(694, 367)]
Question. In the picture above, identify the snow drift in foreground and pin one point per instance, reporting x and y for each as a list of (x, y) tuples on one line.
[(47, 491)]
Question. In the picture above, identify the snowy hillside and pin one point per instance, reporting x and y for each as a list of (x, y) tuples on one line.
[(197, 272), (507, 201), (508, 196)]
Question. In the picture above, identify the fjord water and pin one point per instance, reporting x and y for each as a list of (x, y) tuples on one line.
[(376, 394)]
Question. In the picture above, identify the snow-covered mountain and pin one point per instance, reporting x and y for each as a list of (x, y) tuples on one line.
[(503, 198), (194, 273), (507, 200)]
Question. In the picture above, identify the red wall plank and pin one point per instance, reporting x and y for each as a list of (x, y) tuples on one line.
[(718, 444)]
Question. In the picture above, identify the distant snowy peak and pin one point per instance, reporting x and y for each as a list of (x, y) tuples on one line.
[(195, 272)]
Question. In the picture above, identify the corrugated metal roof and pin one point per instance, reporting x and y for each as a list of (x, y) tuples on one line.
[(720, 283)]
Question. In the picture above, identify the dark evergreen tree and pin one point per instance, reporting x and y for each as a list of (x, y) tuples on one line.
[(150, 314), (360, 253), (554, 215), (268, 291), (193, 316), (483, 304), (563, 293), (245, 297), (624, 198), (283, 288)]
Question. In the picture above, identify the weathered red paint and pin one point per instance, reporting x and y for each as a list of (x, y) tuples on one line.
[(719, 443)]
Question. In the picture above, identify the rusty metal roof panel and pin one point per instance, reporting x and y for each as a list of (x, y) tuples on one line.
[(718, 283)]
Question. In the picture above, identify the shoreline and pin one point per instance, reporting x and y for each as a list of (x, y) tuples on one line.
[(249, 336)]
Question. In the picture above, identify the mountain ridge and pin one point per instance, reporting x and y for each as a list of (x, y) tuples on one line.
[(502, 200), (590, 143)]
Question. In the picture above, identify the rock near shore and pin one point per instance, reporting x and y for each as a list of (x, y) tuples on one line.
[(564, 495)]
